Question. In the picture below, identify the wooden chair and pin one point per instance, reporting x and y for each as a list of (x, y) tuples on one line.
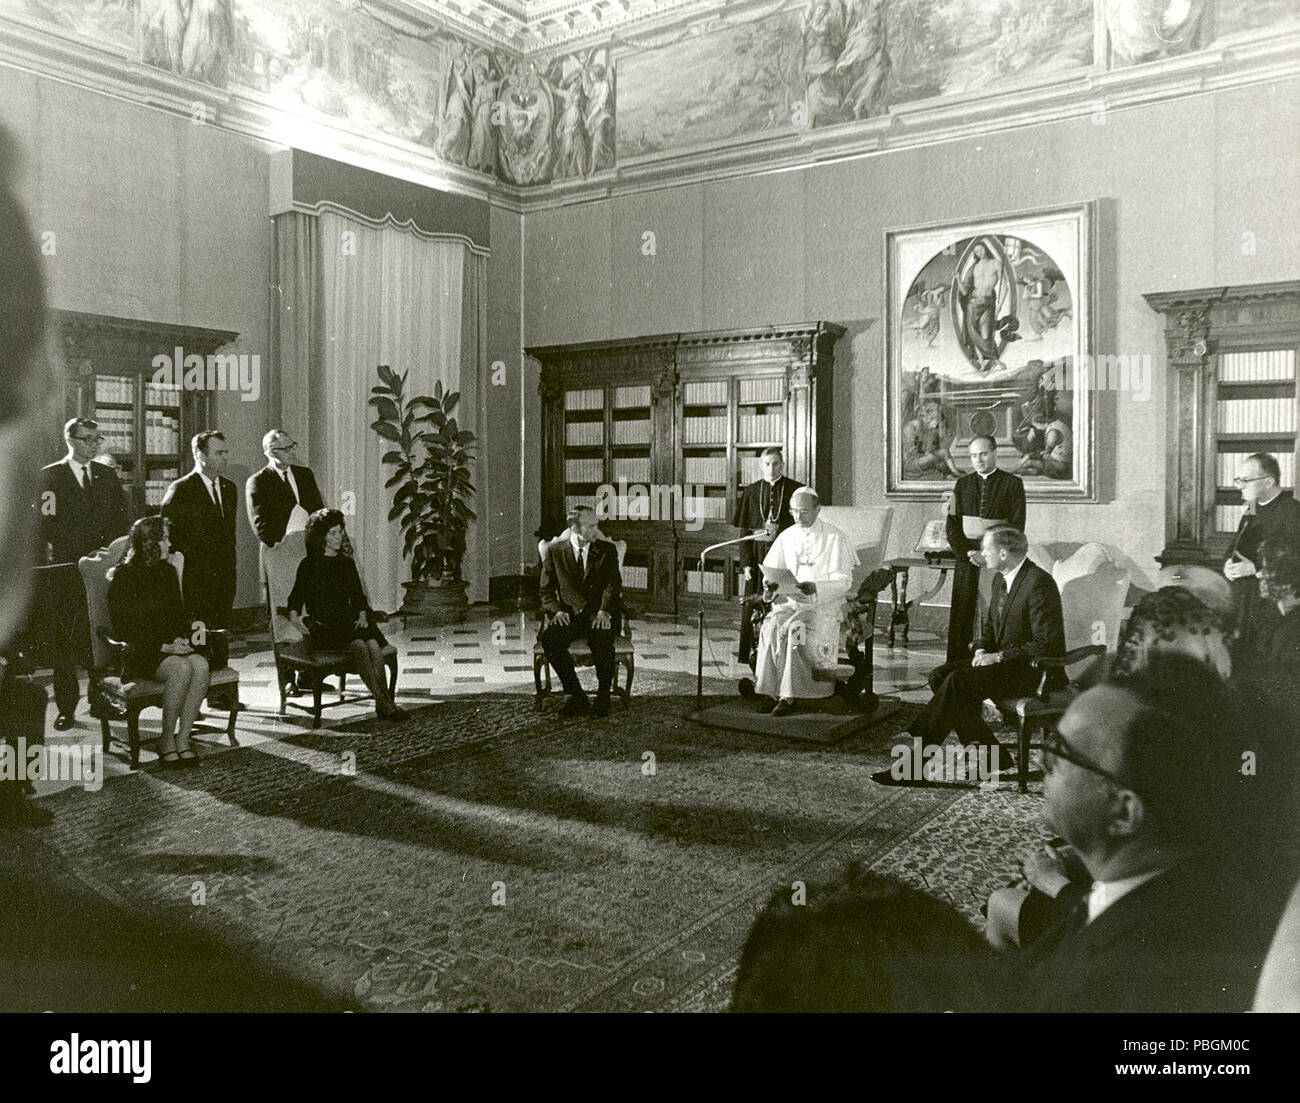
[(867, 529), (1094, 587), (580, 652), (279, 570), (106, 654)]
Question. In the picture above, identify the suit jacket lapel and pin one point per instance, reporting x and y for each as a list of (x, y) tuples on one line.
[(1011, 596)]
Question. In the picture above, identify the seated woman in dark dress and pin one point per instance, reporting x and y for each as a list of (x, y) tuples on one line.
[(144, 603), (339, 617)]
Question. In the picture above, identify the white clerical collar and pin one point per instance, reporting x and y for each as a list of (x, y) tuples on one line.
[(985, 474), (1106, 893), (1010, 576)]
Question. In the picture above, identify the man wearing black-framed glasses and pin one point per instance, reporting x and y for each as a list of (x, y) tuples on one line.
[(283, 494), (1269, 514), (1136, 776), (81, 508)]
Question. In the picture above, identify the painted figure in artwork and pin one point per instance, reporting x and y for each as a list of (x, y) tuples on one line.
[(453, 144), (483, 138), (823, 42), (929, 307), (190, 38), (525, 139), (865, 64), (570, 132), (599, 95), (1042, 434), (928, 431)]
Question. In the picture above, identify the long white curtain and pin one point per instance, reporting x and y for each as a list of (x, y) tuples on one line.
[(392, 296)]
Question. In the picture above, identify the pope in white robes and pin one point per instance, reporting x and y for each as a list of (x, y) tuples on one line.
[(801, 633)]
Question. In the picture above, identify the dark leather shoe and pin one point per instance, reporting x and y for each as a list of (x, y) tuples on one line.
[(601, 707), (783, 707), (576, 706), (292, 689), (63, 722)]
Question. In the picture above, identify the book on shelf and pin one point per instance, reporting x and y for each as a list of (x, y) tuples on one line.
[(633, 469), (754, 392), (1261, 366), (711, 392), (704, 430), (705, 582), (580, 433), (114, 388), (631, 397), (751, 469), (591, 398), (705, 469), (1257, 415), (761, 427), (585, 470), (632, 432)]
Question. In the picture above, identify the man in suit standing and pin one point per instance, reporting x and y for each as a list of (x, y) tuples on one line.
[(764, 506), (581, 591), (1133, 776), (201, 508), (1024, 622), (1269, 514), (82, 508), (280, 497), (283, 494), (987, 492), (82, 505)]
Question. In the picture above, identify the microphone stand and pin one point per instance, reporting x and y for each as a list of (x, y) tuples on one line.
[(699, 658)]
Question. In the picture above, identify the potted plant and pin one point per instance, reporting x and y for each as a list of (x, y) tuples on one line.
[(432, 485)]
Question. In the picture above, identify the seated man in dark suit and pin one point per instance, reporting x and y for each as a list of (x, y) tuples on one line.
[(764, 506), (272, 494), (1023, 623), (1136, 777), (581, 592)]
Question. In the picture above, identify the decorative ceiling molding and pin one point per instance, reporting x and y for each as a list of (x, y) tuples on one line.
[(529, 27)]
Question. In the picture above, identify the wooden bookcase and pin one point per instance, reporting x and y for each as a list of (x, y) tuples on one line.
[(1231, 391), (109, 366), (662, 432)]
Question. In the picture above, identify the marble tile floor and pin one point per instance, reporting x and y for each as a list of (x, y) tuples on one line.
[(491, 652)]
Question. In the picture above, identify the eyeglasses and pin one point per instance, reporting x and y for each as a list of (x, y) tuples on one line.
[(1055, 746), (90, 440), (1237, 480), (285, 447)]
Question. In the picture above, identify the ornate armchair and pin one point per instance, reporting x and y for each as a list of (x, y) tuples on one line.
[(132, 698), (624, 655), (1094, 585), (868, 530), (279, 570)]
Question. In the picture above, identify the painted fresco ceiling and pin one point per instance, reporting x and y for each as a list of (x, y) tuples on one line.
[(538, 92)]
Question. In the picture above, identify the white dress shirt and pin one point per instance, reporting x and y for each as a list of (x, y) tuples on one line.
[(81, 472), (214, 491), (1106, 893)]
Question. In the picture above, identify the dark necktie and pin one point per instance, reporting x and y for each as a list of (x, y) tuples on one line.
[(216, 496), (85, 479), (998, 601), (584, 560), (289, 486)]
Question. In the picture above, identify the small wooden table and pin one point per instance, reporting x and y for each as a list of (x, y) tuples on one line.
[(899, 616)]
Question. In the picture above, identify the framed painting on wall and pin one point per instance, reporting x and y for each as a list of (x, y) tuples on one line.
[(988, 332)]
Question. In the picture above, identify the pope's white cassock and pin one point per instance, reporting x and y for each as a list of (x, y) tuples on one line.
[(799, 634)]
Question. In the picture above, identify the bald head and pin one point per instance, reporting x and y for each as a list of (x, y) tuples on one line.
[(1139, 760)]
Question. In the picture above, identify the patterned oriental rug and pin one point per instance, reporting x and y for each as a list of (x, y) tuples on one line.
[(483, 856)]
